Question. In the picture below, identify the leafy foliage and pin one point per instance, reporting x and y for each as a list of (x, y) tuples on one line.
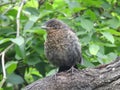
[(96, 22)]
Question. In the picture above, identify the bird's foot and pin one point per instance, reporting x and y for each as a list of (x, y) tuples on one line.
[(72, 70), (55, 76)]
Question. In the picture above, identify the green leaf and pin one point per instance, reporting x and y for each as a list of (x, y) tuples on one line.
[(100, 57), (32, 11), (19, 40), (30, 23), (32, 3), (37, 31), (114, 23), (12, 13), (33, 59), (87, 24), (88, 63), (74, 5), (86, 39), (11, 66), (92, 3), (7, 30), (7, 88), (48, 6), (20, 47), (115, 32), (94, 49), (108, 36), (45, 13), (20, 52), (51, 72), (4, 40), (15, 79), (89, 13), (110, 57)]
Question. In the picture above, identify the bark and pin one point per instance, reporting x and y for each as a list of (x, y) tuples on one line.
[(104, 77)]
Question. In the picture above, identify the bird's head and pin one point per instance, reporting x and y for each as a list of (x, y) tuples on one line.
[(54, 24)]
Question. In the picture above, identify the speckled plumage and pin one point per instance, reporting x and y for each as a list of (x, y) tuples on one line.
[(62, 47)]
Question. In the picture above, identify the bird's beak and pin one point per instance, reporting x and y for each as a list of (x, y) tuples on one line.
[(43, 27)]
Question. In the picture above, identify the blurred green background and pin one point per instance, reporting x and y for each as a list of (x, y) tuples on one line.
[(96, 22)]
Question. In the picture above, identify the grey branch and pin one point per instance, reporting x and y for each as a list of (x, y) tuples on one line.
[(105, 77)]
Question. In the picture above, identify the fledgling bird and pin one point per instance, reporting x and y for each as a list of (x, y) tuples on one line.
[(62, 47)]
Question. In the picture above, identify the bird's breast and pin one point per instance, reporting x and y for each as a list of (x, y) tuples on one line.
[(62, 48), (56, 37)]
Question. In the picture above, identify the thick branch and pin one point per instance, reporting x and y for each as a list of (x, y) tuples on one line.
[(106, 77)]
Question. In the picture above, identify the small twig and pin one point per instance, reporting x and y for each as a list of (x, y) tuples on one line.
[(3, 64), (18, 18)]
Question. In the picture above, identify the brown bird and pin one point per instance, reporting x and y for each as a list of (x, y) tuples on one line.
[(62, 47)]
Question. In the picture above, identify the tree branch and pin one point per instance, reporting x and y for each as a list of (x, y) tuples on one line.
[(105, 77), (2, 54), (18, 17)]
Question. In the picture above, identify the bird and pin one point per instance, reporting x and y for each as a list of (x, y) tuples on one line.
[(62, 47)]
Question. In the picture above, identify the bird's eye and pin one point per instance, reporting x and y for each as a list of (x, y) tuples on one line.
[(55, 26)]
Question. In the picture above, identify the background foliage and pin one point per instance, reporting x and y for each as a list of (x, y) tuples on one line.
[(96, 22)]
